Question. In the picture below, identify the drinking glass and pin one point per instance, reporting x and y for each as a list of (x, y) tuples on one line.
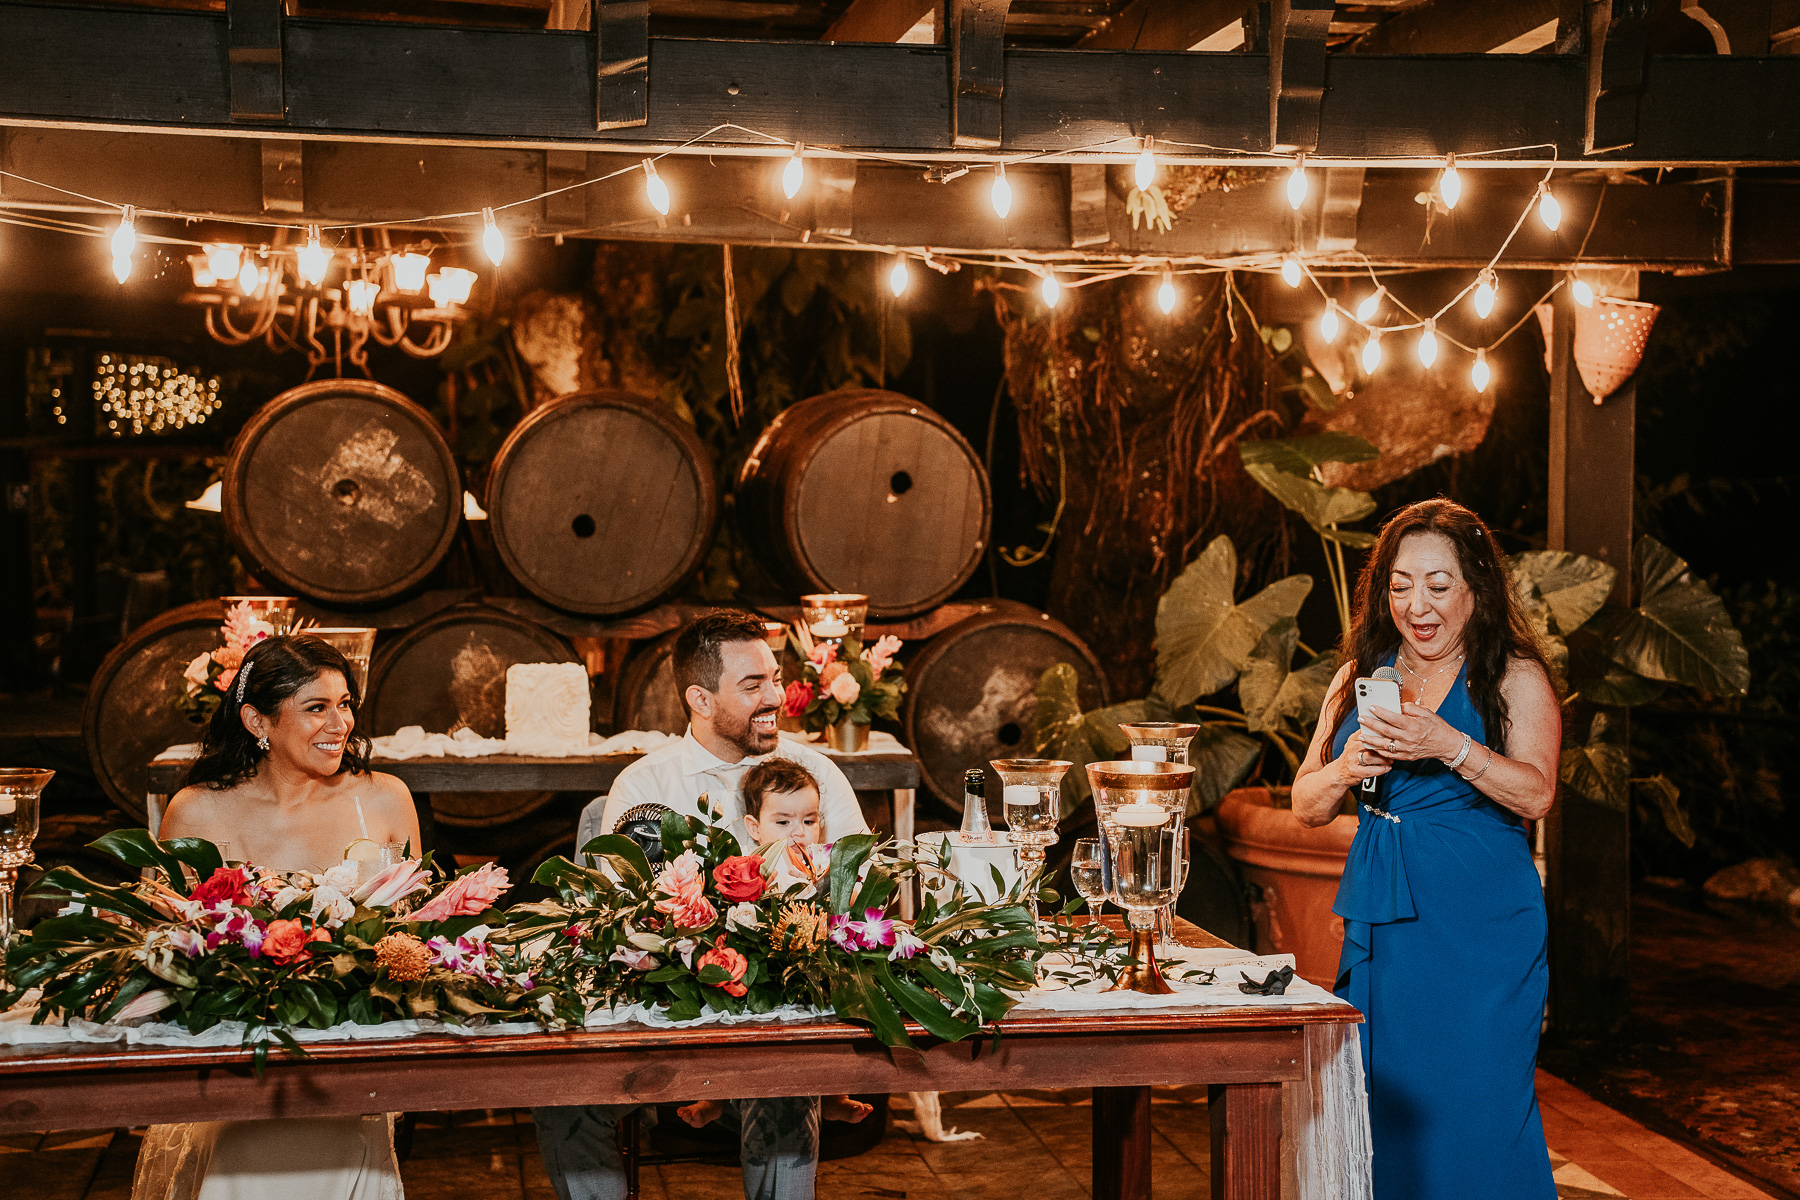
[(355, 645), (1032, 798), (1165, 916), (20, 788), (834, 616), (391, 853), (1144, 844), (1087, 873)]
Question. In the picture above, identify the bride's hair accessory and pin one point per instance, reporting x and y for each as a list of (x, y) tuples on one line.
[(243, 678)]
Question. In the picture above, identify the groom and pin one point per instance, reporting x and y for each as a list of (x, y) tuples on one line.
[(731, 685)]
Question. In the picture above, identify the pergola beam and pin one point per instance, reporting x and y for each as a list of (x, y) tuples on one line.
[(1164, 24), (1462, 26), (877, 20)]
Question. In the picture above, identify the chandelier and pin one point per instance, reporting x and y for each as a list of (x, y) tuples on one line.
[(280, 295)]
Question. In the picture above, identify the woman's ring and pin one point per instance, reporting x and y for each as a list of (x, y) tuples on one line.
[(1391, 743)]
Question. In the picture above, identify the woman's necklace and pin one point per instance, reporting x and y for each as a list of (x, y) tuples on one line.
[(1425, 681)]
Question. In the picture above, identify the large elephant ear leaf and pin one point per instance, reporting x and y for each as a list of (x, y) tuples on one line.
[(1203, 639), (1599, 770), (1667, 798), (1221, 758), (1062, 731), (1679, 632), (1560, 588), (1300, 455), (1272, 692), (1319, 505)]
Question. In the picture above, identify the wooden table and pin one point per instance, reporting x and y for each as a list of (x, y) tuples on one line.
[(1246, 1054)]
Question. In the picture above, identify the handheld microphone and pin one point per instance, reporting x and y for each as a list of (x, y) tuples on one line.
[(1371, 785)]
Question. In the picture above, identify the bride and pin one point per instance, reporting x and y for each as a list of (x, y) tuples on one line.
[(284, 778)]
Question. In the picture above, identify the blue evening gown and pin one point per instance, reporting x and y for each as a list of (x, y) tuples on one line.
[(1444, 954)]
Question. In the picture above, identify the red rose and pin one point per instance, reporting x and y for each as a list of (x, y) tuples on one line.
[(227, 884), (740, 878), (734, 963), (796, 698)]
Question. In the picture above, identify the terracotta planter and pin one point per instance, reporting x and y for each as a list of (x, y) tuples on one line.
[(1298, 871)]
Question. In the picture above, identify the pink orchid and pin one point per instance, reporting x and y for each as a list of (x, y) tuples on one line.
[(467, 895), (239, 927), (392, 884), (637, 960), (871, 933), (881, 654), (906, 944)]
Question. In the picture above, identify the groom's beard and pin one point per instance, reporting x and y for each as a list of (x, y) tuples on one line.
[(745, 736)]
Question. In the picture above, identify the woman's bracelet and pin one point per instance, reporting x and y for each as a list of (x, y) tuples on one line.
[(1463, 753), (1484, 768)]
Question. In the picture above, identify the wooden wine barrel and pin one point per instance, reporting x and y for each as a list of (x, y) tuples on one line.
[(448, 672), (130, 715), (646, 698), (342, 490), (602, 502), (867, 491), (971, 693)]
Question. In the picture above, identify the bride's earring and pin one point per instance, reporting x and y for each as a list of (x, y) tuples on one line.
[(262, 743)]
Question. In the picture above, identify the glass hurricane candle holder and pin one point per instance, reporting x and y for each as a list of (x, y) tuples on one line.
[(1032, 800), (1159, 741), (20, 788), (354, 644), (1131, 781), (276, 611), (1144, 841), (835, 616)]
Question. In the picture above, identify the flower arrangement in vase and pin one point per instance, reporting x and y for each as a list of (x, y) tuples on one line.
[(843, 686), (210, 675)]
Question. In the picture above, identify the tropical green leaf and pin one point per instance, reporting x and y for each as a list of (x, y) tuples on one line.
[(135, 847), (1599, 770), (1356, 539), (1667, 798), (1679, 632), (1271, 692), (1221, 758), (925, 1008), (1063, 732), (856, 995), (621, 850), (847, 858), (1203, 639), (1569, 587), (1598, 678), (1301, 455), (1318, 504)]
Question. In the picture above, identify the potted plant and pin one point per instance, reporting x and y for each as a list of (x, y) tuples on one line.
[(843, 687)]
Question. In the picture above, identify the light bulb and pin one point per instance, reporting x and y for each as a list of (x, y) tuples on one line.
[(313, 259), (1428, 346), (1584, 295), (1296, 184), (451, 285), (1001, 194), (1165, 295), (1145, 174), (1549, 211), (359, 295), (492, 240), (249, 278), (1329, 323), (203, 276), (409, 271), (1370, 305), (1484, 293), (1290, 271), (1052, 290), (224, 260), (899, 277), (1450, 183), (1478, 374), (1371, 353), (655, 188), (793, 175), (124, 240)]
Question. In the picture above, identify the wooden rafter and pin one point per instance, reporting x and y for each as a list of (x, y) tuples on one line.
[(877, 20), (1164, 24), (977, 35), (1463, 26)]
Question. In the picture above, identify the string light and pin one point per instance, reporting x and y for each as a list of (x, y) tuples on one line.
[(224, 260), (793, 175), (655, 188), (899, 277), (1371, 353), (250, 277), (1578, 288), (1485, 291), (1146, 167), (313, 260), (1428, 346), (1478, 374), (1290, 271), (1052, 290), (1549, 211), (1001, 193), (492, 241), (1296, 184), (124, 240), (1450, 183), (1165, 295), (1329, 323), (1371, 304)]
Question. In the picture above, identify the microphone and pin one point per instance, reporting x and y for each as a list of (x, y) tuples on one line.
[(1370, 786)]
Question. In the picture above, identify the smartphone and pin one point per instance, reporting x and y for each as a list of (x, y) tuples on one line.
[(1377, 693)]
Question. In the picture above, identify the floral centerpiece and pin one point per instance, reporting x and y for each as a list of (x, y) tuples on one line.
[(209, 677), (844, 686)]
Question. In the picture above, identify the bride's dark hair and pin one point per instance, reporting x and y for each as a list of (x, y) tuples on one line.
[(1497, 632), (273, 670)]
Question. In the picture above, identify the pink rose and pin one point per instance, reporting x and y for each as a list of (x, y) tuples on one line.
[(796, 698), (881, 654), (197, 670), (844, 689), (467, 895)]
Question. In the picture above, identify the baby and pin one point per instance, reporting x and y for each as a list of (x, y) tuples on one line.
[(781, 805)]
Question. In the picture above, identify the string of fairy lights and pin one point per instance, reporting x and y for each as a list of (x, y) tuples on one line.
[(451, 286)]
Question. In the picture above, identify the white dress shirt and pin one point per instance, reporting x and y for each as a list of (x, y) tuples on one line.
[(676, 774)]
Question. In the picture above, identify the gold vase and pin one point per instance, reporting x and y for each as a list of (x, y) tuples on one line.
[(847, 737), (1142, 974)]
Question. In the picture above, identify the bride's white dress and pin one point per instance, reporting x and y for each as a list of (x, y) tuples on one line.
[(290, 1158)]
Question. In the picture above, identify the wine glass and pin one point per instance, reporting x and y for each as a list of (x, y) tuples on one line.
[(20, 788), (1165, 916), (1144, 840), (1087, 871), (1159, 741), (1032, 802)]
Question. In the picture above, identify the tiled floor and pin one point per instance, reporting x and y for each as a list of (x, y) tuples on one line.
[(1033, 1144)]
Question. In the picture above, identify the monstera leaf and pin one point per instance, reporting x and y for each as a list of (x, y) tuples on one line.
[(1271, 692), (1560, 590), (1203, 638), (1322, 507), (1679, 632), (1599, 770)]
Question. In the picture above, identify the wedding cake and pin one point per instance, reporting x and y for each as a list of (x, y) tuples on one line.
[(547, 709)]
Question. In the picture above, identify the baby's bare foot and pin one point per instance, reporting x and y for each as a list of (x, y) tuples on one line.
[(843, 1108), (702, 1113)]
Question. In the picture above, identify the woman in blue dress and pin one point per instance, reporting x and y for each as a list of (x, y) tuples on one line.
[(1443, 912)]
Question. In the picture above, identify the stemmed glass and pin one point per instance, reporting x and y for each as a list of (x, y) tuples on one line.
[(1145, 840), (1032, 801), (1087, 871), (1138, 785), (20, 788), (1159, 741)]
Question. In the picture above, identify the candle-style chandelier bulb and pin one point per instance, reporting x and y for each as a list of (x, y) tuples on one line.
[(1485, 291), (899, 277), (492, 240), (1478, 374), (1329, 323), (1578, 288), (1001, 193), (1370, 304), (359, 296), (224, 260), (1290, 271), (1052, 290), (655, 189), (124, 241), (249, 277), (1165, 295), (1145, 174), (409, 271), (1450, 183), (1549, 211), (1296, 183), (313, 260), (1371, 353), (793, 175), (1428, 346)]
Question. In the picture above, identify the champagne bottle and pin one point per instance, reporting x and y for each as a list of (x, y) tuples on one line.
[(975, 827)]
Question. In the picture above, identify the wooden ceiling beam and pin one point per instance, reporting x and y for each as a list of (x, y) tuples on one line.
[(1466, 26), (1618, 38), (1164, 24), (977, 37), (1297, 66), (877, 20)]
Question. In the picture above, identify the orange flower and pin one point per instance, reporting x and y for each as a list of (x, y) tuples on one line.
[(405, 957), (734, 963), (286, 942)]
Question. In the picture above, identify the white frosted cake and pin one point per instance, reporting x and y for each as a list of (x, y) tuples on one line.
[(547, 709)]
